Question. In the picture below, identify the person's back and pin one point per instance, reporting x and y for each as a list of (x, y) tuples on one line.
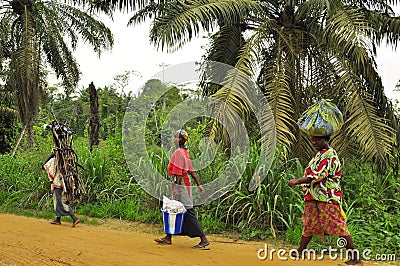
[(61, 206), (325, 170), (54, 175)]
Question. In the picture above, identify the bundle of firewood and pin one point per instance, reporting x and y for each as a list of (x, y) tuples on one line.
[(67, 160)]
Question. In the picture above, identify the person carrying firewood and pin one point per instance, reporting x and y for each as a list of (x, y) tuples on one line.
[(61, 204)]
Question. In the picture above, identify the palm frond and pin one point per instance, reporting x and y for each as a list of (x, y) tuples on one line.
[(230, 106), (349, 29), (54, 21), (183, 20), (92, 31), (346, 146), (109, 5), (370, 131), (25, 67), (149, 11), (225, 45), (389, 28), (59, 56), (279, 96), (123, 5), (238, 93)]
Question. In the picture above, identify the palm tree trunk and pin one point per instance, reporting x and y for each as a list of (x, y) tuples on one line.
[(31, 137), (94, 122)]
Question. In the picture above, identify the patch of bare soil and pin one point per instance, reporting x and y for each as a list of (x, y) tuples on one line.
[(31, 241)]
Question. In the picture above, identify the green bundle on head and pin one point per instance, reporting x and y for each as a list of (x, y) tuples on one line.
[(321, 119)]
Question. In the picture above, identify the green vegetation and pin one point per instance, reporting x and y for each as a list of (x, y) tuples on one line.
[(306, 50), (299, 52), (39, 34), (272, 211)]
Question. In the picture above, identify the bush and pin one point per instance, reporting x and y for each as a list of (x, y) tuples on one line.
[(371, 201)]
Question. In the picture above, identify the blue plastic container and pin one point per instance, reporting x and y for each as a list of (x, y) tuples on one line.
[(173, 222)]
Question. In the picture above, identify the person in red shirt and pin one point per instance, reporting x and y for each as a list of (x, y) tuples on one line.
[(323, 214), (179, 167)]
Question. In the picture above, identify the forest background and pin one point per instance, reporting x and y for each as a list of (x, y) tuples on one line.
[(273, 210)]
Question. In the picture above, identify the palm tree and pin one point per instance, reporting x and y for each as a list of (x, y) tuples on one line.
[(306, 50), (33, 35)]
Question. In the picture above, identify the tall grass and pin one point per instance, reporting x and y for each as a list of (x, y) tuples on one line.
[(372, 202), (272, 210), (272, 206), (23, 182)]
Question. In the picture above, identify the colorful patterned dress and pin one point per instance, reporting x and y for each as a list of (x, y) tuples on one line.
[(323, 214)]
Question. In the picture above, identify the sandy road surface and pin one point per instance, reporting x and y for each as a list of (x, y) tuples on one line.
[(31, 241)]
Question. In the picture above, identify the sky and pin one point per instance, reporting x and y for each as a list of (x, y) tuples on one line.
[(132, 51)]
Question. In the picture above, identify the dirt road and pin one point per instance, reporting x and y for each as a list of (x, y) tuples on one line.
[(31, 241)]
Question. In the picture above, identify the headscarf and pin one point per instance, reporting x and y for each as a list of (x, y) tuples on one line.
[(321, 119), (182, 133)]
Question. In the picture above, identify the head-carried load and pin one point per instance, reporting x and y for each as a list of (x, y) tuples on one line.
[(66, 159), (321, 119)]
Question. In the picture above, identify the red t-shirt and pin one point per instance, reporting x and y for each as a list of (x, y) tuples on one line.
[(180, 164)]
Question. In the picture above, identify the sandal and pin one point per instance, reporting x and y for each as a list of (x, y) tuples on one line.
[(75, 223), (162, 241), (202, 246), (55, 222)]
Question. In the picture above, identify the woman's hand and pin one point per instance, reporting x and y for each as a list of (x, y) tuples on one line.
[(299, 181), (292, 182), (201, 189)]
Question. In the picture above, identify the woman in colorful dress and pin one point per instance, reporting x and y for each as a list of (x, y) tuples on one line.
[(323, 214), (178, 168)]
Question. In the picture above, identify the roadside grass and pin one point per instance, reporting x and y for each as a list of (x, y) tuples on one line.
[(271, 212)]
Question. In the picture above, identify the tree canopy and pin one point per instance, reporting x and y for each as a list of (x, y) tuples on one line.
[(298, 52), (35, 34)]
